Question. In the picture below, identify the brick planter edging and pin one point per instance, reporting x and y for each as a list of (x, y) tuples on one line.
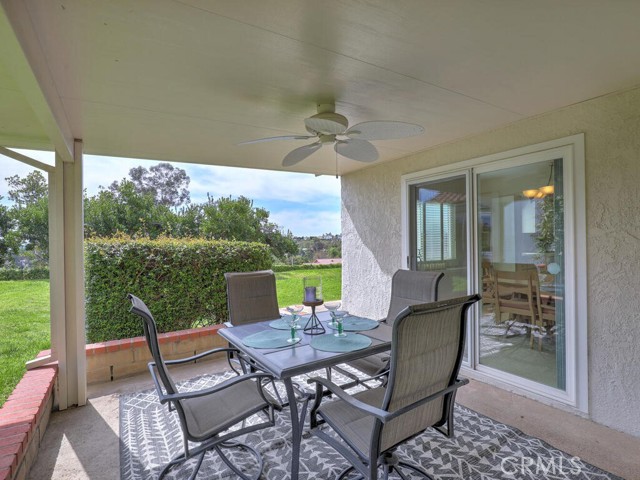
[(108, 361), (23, 421)]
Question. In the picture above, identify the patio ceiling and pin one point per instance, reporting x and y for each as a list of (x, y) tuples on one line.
[(187, 80)]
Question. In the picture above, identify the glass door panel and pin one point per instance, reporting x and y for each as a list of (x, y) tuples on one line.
[(439, 232), (520, 219)]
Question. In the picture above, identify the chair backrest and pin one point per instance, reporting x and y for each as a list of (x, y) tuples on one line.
[(426, 352), (251, 297), (410, 287), (516, 292), (139, 308)]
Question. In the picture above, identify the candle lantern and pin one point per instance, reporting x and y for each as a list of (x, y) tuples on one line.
[(312, 297), (312, 289)]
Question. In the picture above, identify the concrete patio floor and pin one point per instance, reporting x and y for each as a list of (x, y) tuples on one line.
[(83, 443)]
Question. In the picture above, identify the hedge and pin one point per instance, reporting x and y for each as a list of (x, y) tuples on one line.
[(307, 266), (181, 281), (35, 273)]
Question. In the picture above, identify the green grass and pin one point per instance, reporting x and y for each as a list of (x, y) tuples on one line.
[(25, 328), (290, 288)]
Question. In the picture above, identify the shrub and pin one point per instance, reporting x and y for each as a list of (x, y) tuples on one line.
[(308, 266), (35, 273), (182, 282)]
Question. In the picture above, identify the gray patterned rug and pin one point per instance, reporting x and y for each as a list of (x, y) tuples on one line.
[(482, 448)]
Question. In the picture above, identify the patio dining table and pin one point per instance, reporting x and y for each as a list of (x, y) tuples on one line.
[(301, 358)]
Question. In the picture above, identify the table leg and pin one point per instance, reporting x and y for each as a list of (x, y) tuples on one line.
[(296, 429)]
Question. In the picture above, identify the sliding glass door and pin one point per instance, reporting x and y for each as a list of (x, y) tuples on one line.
[(520, 244), (439, 223), (502, 229)]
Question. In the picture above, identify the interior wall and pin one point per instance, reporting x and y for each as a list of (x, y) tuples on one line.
[(372, 236)]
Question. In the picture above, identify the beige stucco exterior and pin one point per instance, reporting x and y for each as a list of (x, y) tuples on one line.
[(372, 236)]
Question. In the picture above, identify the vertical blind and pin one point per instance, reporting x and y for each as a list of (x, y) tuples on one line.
[(435, 228)]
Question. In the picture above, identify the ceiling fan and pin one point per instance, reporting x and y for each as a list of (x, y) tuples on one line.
[(328, 127)]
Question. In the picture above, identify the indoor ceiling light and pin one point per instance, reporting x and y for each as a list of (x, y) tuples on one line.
[(541, 192)]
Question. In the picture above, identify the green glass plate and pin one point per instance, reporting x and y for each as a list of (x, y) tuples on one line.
[(268, 339), (283, 324), (348, 343), (355, 324)]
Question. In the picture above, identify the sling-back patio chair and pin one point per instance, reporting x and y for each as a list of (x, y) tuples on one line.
[(206, 415), (426, 352), (251, 297), (408, 287)]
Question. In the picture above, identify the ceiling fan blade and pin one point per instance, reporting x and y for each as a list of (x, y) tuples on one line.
[(284, 137), (357, 149), (299, 154), (384, 130)]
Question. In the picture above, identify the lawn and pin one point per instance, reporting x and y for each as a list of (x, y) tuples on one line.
[(290, 288), (25, 325), (25, 328)]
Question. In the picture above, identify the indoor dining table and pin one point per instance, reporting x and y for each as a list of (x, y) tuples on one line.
[(292, 360)]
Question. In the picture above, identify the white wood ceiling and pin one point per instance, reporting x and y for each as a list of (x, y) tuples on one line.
[(187, 80)]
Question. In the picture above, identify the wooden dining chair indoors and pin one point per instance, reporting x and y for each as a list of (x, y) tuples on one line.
[(516, 296)]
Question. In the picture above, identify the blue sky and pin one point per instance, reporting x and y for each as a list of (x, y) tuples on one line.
[(305, 204)]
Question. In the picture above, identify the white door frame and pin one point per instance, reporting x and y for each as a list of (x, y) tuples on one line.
[(571, 150)]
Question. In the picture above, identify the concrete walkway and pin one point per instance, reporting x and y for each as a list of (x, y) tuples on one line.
[(82, 443)]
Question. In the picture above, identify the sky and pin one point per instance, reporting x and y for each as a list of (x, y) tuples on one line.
[(304, 204)]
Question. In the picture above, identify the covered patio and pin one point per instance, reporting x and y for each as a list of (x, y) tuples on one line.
[(496, 87), (84, 443)]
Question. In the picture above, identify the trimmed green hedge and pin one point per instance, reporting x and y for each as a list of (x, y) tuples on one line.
[(308, 266), (181, 281), (36, 273)]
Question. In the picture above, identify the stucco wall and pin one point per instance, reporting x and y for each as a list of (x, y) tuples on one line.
[(371, 235)]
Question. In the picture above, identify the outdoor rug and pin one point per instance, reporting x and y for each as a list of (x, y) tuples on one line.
[(481, 449)]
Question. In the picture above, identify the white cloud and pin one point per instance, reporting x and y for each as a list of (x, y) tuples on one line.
[(303, 203)]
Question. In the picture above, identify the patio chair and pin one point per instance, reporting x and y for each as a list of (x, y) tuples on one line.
[(206, 415), (426, 352), (251, 297), (408, 287)]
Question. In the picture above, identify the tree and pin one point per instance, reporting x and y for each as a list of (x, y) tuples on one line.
[(7, 243), (237, 219), (30, 212), (27, 190), (123, 209), (168, 185), (334, 252)]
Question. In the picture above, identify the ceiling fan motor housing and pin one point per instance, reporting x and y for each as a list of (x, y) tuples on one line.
[(328, 123)]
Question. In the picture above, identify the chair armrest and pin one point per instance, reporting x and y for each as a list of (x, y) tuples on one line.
[(383, 415), (457, 384), (173, 397), (200, 355), (380, 414)]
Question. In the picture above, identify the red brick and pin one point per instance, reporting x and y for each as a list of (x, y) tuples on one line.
[(113, 346), (16, 429), (8, 461), (20, 438), (138, 342), (7, 420), (13, 449)]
